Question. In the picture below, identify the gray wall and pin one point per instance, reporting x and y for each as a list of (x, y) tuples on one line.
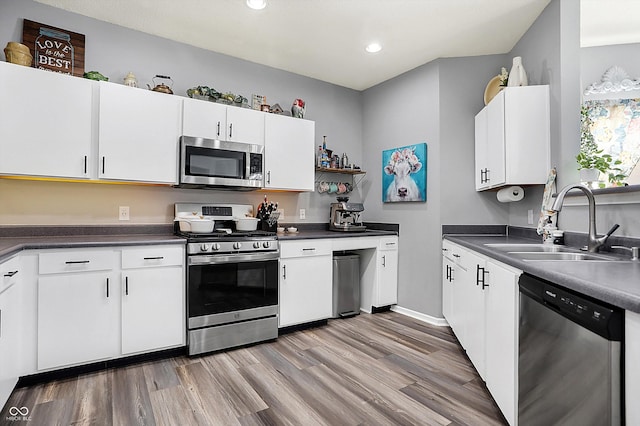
[(114, 51), (550, 52)]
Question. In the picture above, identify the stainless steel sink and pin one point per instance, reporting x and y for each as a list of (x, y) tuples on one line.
[(527, 256), (529, 247)]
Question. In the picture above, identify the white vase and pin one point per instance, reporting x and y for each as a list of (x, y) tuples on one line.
[(589, 175), (517, 75)]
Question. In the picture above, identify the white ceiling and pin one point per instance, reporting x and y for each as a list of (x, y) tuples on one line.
[(325, 39)]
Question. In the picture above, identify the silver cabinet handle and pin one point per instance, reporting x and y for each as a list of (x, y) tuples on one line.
[(218, 129), (75, 262), (107, 287), (10, 274), (309, 249), (230, 130), (154, 258), (85, 164), (456, 255), (269, 176), (384, 261), (126, 286), (284, 272), (103, 160)]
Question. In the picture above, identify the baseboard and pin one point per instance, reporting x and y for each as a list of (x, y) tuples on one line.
[(441, 322)]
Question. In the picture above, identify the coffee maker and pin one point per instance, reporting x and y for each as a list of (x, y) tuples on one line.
[(345, 216)]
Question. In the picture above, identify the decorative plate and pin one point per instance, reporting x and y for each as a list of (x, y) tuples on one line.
[(492, 89)]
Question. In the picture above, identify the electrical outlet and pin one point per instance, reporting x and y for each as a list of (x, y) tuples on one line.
[(281, 217), (123, 213), (530, 217), (303, 214)]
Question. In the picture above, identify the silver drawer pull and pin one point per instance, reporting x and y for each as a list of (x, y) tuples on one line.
[(154, 258), (10, 274), (75, 262), (393, 244), (308, 249)]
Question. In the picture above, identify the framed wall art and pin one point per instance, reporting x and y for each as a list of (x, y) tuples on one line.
[(54, 49), (404, 174)]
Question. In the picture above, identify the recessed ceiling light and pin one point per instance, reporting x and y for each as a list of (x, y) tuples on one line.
[(257, 4), (373, 48)]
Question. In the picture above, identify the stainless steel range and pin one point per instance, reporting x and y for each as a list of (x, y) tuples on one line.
[(232, 281)]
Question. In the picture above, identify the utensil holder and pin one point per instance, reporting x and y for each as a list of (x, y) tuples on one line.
[(264, 225)]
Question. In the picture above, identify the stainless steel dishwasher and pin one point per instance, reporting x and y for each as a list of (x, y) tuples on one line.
[(570, 357)]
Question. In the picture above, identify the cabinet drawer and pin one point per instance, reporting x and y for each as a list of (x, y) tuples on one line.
[(152, 256), (76, 261), (303, 248), (8, 273), (388, 243)]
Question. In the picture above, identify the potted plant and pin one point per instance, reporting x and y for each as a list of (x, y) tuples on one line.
[(591, 160)]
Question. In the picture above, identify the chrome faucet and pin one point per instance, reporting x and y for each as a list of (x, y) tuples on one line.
[(594, 241)]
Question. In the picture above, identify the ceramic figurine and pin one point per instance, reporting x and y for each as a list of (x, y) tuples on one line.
[(298, 108), (130, 80), (517, 76)]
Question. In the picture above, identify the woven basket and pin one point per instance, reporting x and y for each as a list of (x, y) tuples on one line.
[(18, 53)]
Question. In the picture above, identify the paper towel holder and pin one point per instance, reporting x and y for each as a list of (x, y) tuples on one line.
[(510, 194)]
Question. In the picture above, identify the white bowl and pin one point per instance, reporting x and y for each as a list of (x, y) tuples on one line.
[(200, 226), (292, 229), (280, 230)]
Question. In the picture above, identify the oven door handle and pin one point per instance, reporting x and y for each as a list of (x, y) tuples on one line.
[(232, 258)]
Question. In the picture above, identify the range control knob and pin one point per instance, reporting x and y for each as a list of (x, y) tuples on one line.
[(256, 245), (215, 246), (237, 246), (266, 244), (205, 247)]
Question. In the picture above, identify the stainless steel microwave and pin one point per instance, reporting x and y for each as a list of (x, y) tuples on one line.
[(215, 163)]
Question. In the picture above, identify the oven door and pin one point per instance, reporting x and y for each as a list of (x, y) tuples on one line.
[(207, 162), (234, 287)]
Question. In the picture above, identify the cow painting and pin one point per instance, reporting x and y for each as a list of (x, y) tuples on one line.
[(404, 176)]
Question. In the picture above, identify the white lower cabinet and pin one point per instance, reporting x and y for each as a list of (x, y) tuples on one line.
[(501, 336), (153, 299), (90, 308), (76, 318), (480, 302), (632, 367), (305, 284), (10, 330), (386, 290)]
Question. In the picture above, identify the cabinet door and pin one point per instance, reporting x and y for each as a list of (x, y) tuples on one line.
[(474, 307), (138, 134), (387, 287), (245, 125), (45, 123), (289, 154), (10, 341), (305, 290), (502, 337), (481, 150), (632, 368), (77, 319), (448, 281), (153, 304), (204, 119), (496, 141)]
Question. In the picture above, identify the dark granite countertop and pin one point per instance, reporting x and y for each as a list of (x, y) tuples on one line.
[(12, 245), (617, 283)]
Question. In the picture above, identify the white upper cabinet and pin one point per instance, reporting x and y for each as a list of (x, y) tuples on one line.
[(244, 125), (204, 119), (138, 134), (513, 138), (45, 123), (289, 153)]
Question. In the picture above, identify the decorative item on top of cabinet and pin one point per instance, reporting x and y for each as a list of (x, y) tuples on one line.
[(18, 53), (54, 49), (517, 75), (298, 108), (130, 80), (162, 88)]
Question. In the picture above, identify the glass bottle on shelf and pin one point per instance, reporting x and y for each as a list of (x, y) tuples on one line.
[(325, 155)]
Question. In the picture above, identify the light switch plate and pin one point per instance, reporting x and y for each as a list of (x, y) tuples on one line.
[(303, 214), (530, 217)]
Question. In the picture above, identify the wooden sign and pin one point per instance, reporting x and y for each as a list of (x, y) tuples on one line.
[(54, 49)]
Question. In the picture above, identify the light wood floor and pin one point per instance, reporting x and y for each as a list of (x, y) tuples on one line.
[(382, 369)]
